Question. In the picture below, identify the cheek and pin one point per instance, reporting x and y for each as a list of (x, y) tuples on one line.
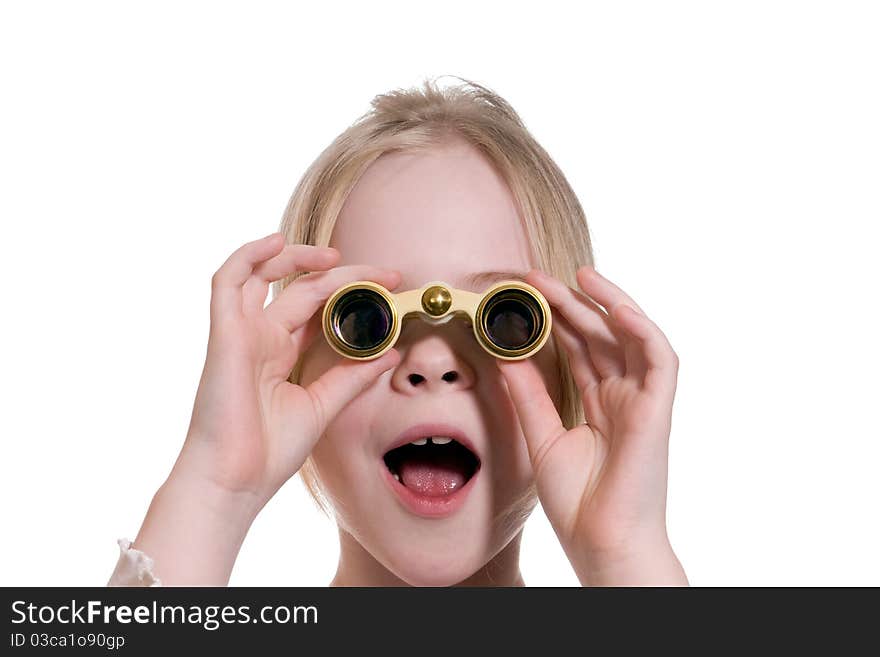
[(511, 468), (340, 452), (316, 360), (547, 362), (520, 463), (346, 465), (514, 468)]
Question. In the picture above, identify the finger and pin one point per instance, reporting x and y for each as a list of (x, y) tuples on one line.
[(582, 368), (299, 300), (659, 357), (302, 337), (602, 290), (228, 280), (293, 258), (561, 460), (584, 372), (648, 358), (605, 341), (334, 389), (538, 417)]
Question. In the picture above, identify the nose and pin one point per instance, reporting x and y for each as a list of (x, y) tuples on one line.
[(429, 362)]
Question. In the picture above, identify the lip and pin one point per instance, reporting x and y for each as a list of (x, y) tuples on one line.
[(426, 506), (432, 429)]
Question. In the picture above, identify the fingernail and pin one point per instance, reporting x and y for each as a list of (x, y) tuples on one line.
[(392, 355)]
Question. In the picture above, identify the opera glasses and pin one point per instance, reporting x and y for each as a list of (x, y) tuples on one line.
[(511, 320)]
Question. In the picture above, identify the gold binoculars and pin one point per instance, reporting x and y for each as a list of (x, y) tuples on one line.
[(511, 320)]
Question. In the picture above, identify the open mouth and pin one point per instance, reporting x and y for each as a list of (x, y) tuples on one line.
[(433, 466)]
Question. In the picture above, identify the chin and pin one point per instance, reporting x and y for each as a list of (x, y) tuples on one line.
[(424, 571)]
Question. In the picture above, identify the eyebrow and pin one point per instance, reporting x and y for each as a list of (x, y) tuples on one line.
[(483, 278)]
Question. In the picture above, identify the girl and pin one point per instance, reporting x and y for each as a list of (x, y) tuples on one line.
[(431, 184)]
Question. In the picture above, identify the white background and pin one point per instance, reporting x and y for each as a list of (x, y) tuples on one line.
[(727, 156)]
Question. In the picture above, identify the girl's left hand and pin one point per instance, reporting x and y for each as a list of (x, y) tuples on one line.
[(603, 484)]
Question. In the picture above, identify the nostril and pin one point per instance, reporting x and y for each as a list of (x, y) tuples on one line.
[(416, 379)]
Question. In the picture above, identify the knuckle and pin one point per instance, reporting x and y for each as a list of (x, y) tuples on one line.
[(539, 461), (318, 410)]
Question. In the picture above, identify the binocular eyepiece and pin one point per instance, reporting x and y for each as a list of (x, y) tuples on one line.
[(511, 320)]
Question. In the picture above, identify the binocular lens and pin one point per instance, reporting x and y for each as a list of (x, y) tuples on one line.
[(362, 319), (512, 320)]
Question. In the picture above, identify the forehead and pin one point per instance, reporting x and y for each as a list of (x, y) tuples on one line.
[(444, 213)]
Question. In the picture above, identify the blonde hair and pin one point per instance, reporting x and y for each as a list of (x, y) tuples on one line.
[(413, 119)]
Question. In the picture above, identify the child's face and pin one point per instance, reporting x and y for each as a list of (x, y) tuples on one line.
[(440, 215)]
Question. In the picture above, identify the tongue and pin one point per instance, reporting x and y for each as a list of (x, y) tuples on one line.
[(433, 477)]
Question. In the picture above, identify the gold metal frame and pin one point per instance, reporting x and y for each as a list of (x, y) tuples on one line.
[(437, 303)]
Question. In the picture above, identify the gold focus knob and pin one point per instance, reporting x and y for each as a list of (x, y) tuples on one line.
[(436, 300)]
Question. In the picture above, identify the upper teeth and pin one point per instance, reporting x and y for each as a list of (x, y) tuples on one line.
[(437, 440)]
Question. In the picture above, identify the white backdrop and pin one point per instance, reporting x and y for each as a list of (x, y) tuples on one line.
[(727, 156)]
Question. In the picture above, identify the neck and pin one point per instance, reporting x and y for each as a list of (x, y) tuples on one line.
[(357, 567)]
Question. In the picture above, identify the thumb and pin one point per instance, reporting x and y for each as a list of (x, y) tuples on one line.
[(334, 389)]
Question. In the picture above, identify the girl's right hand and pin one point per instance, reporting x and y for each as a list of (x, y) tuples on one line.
[(251, 429)]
